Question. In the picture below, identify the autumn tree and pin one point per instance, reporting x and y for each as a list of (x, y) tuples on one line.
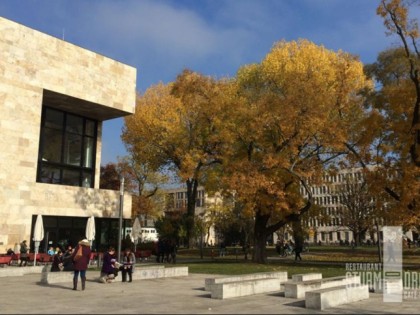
[(145, 184), (109, 177), (292, 114), (392, 142), (396, 19), (358, 211), (177, 127), (139, 181)]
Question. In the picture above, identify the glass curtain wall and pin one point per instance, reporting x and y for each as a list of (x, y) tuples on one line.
[(67, 149)]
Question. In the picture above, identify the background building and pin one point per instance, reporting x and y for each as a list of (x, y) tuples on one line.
[(328, 225), (54, 97), (176, 203)]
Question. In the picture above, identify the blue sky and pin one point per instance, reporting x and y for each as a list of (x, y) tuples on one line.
[(215, 37)]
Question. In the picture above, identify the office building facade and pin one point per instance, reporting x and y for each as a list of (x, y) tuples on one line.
[(54, 97)]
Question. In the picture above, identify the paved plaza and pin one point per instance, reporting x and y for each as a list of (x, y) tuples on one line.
[(181, 295)]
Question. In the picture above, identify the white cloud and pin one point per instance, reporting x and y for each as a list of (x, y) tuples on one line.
[(159, 27), (161, 37)]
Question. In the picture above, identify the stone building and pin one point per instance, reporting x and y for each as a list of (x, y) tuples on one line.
[(54, 97), (176, 204)]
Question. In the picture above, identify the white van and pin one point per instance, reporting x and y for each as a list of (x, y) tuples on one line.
[(149, 235)]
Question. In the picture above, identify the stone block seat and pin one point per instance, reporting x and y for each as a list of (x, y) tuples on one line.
[(210, 282), (297, 289), (140, 273), (159, 271), (244, 288), (306, 276), (14, 271), (48, 277), (388, 285), (334, 296)]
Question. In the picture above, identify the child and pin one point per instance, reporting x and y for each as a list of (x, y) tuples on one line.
[(129, 259)]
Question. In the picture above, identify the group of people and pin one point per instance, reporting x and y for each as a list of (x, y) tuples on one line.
[(166, 251), (77, 260), (62, 261), (111, 267)]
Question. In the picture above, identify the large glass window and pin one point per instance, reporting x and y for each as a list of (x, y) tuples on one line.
[(67, 149)]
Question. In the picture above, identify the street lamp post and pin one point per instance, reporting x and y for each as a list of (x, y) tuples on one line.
[(378, 235), (120, 217), (201, 233)]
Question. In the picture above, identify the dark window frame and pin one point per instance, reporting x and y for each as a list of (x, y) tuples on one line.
[(62, 166)]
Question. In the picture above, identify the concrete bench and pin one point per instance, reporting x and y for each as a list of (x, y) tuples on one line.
[(210, 282), (334, 296), (14, 271), (48, 277), (297, 289), (154, 272), (244, 288), (388, 285), (306, 276)]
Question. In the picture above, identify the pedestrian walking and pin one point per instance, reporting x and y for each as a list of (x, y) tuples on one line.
[(298, 249)]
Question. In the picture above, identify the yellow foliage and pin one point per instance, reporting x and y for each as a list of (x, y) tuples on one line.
[(299, 105)]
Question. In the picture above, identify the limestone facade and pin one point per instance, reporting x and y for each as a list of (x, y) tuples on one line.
[(35, 67)]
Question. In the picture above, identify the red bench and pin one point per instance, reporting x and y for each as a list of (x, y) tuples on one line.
[(45, 258), (31, 257), (5, 260), (93, 259), (15, 259), (143, 254)]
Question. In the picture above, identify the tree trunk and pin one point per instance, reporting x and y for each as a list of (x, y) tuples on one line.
[(356, 237), (260, 238), (192, 185)]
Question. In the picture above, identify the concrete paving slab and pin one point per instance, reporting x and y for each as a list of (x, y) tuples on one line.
[(179, 295)]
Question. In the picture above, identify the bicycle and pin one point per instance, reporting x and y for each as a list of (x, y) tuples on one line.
[(287, 252)]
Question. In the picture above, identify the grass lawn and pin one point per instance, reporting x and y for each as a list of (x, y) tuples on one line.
[(330, 254), (231, 267), (328, 260)]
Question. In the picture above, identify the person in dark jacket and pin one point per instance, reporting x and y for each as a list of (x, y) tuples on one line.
[(67, 259), (80, 258), (298, 249), (109, 266), (57, 264), (23, 253)]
